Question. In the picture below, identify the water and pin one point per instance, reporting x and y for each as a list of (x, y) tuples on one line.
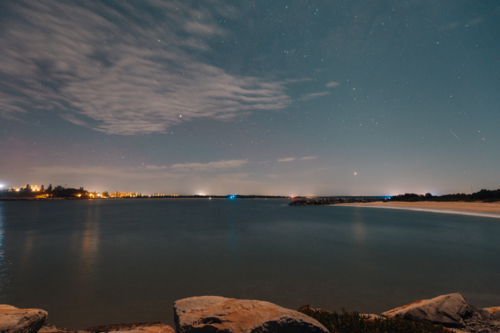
[(115, 261)]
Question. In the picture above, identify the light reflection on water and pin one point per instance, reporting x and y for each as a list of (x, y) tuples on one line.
[(89, 245), (103, 262), (2, 264), (358, 228)]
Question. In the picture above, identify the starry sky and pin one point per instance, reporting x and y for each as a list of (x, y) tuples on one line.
[(358, 97)]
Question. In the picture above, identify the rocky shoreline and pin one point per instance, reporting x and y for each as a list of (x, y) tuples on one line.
[(329, 201), (212, 314)]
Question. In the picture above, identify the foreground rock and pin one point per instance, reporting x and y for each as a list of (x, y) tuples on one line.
[(14, 320), (452, 311), (154, 327), (494, 313), (219, 314), (328, 201)]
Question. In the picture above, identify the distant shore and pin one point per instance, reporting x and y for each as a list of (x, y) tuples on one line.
[(492, 209), (179, 197)]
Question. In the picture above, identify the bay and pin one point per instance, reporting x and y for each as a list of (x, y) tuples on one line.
[(127, 260)]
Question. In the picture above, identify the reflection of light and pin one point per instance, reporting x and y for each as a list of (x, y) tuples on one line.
[(89, 246), (359, 232), (1, 239)]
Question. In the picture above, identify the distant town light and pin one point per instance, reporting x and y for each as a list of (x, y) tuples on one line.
[(2, 185)]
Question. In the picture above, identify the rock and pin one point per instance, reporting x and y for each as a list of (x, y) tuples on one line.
[(14, 320), (494, 312), (48, 328), (218, 314), (154, 327), (447, 310), (371, 316)]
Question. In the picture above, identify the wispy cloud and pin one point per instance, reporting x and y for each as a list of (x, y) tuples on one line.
[(72, 119), (210, 166), (288, 159), (332, 84), (128, 77), (146, 172), (219, 165), (314, 95), (307, 158)]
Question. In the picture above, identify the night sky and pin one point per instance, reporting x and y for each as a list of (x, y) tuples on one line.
[(353, 97)]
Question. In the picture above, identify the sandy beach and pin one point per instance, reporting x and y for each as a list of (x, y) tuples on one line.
[(469, 208)]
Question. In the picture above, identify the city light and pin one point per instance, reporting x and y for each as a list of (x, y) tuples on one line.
[(1, 185)]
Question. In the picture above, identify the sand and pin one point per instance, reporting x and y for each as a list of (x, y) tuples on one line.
[(460, 207)]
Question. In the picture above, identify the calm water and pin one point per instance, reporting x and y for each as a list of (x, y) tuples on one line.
[(113, 261)]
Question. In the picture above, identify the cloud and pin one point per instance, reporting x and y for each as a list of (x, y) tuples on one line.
[(332, 84), (59, 170), (219, 165), (114, 66), (72, 119), (156, 167), (307, 158), (202, 29), (209, 166), (314, 95), (475, 21), (146, 172), (288, 159)]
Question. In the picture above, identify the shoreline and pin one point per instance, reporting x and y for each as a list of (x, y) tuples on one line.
[(451, 312), (481, 209)]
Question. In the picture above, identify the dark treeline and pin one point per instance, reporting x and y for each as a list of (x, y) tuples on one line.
[(483, 195), (50, 192)]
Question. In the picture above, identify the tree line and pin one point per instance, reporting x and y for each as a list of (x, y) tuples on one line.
[(57, 192), (483, 195)]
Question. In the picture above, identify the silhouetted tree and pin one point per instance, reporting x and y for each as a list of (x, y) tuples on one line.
[(49, 188), (42, 189)]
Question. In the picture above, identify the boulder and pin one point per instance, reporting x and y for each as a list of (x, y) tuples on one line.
[(49, 328), (154, 327), (14, 320), (371, 317), (447, 310), (494, 313), (218, 314)]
